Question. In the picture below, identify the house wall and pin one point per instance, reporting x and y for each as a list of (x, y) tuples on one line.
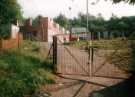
[(45, 30), (53, 29), (14, 31), (11, 42)]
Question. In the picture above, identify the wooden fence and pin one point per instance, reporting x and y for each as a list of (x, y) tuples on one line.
[(11, 43)]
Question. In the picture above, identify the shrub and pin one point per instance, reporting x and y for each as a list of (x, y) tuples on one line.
[(21, 74), (5, 30)]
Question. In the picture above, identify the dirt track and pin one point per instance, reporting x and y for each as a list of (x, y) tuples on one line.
[(71, 83)]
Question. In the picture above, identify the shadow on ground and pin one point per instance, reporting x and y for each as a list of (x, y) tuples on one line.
[(123, 89), (126, 88)]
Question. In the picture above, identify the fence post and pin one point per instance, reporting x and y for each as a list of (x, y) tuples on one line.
[(0, 44), (55, 53), (92, 60), (18, 40)]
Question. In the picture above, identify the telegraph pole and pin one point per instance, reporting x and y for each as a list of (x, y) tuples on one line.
[(89, 37), (87, 13)]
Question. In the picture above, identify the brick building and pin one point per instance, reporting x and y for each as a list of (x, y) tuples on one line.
[(44, 30)]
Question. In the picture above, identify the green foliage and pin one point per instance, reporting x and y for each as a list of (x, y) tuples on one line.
[(116, 26), (124, 24), (9, 11), (62, 21), (5, 30), (36, 20), (23, 72), (127, 1), (103, 44)]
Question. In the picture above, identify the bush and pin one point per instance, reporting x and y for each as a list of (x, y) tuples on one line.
[(21, 74), (5, 30)]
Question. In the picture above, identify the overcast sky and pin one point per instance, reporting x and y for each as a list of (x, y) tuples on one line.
[(52, 8)]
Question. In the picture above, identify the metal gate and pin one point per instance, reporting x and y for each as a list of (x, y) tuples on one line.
[(70, 60), (88, 61), (111, 62), (92, 68)]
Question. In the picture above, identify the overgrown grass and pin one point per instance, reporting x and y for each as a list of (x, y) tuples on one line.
[(23, 71), (104, 44)]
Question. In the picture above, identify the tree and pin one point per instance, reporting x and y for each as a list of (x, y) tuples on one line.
[(124, 26), (36, 20), (62, 20), (9, 11), (127, 1), (75, 22)]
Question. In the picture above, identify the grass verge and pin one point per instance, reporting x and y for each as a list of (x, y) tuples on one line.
[(23, 71)]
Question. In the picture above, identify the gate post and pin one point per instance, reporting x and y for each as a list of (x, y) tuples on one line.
[(91, 60), (55, 53), (1, 44)]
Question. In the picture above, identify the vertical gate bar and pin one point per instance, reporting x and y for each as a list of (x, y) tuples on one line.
[(92, 60), (64, 63), (89, 63), (55, 53)]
